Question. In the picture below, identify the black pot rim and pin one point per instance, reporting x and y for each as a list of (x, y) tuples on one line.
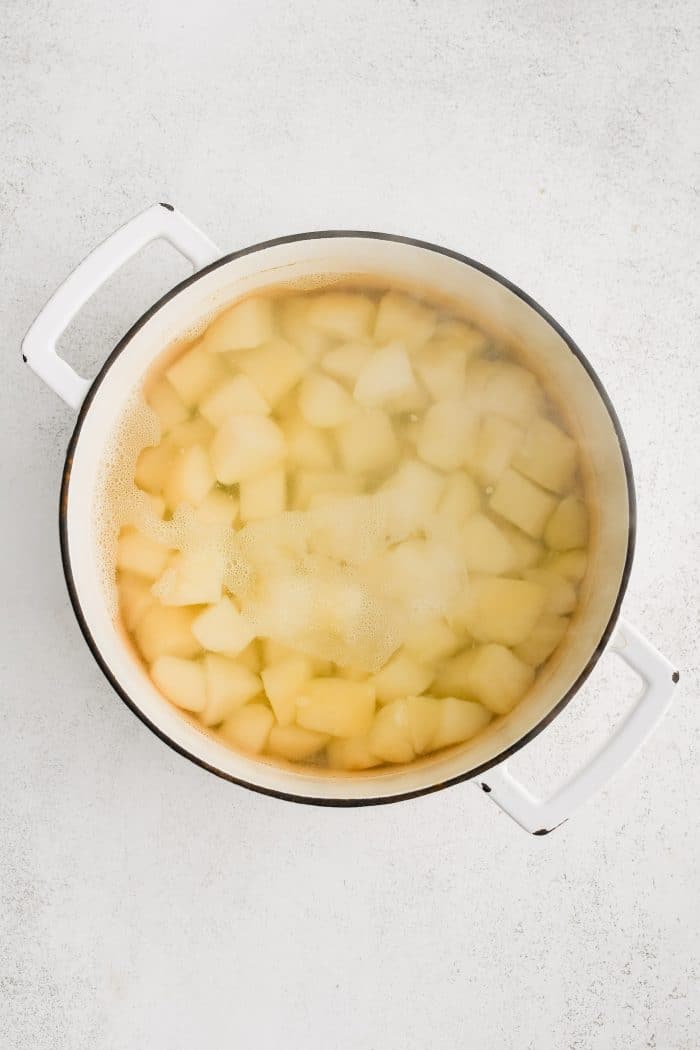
[(401, 796)]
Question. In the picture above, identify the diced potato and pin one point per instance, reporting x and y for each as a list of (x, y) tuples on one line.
[(505, 610), (153, 467), (344, 315), (283, 683), (390, 735), (528, 552), (223, 629), (401, 317), (244, 325), (191, 578), (451, 679), (309, 483), (336, 707), (411, 494), (249, 727), (138, 554), (347, 361), (459, 500), (157, 505), (367, 443), (298, 329), (440, 364), (423, 714), (167, 404), (520, 501), (165, 631), (458, 720), (385, 378), (401, 676), (195, 373), (191, 477), (511, 391), (263, 495), (486, 548), (218, 508), (196, 431), (498, 679), (135, 598), (568, 526), (424, 576), (496, 441), (431, 641), (181, 681), (323, 402), (468, 337), (228, 687), (351, 754), (571, 565), (308, 447), (561, 593), (295, 743), (245, 446), (236, 396), (546, 636), (275, 652), (447, 434), (250, 657), (274, 369), (547, 456)]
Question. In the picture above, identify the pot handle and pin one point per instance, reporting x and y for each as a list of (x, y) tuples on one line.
[(540, 816), (160, 221)]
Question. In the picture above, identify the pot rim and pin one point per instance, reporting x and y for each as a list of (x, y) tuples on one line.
[(369, 800)]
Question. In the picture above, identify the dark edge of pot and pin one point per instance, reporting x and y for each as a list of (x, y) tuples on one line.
[(462, 777)]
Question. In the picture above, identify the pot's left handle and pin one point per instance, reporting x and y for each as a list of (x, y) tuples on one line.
[(160, 221)]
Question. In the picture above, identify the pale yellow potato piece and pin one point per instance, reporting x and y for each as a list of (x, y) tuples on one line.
[(138, 554), (485, 547), (351, 754), (249, 727), (401, 317), (228, 687), (511, 391), (568, 526), (471, 340), (546, 636), (309, 483), (157, 505), (497, 678), (244, 325), (431, 641), (411, 495), (344, 315), (571, 565), (423, 714), (447, 434), (347, 361), (496, 442), (441, 367), (195, 431), (274, 652), (528, 552), (295, 743), (191, 477), (547, 456), (191, 578), (245, 446), (336, 707), (367, 443), (135, 598), (218, 508), (274, 369), (223, 629), (307, 447), (296, 326), (263, 495), (181, 681), (505, 610), (522, 502), (250, 657), (153, 467), (451, 678), (323, 402), (166, 631), (283, 683), (235, 396), (385, 378), (457, 721), (195, 373), (390, 735), (459, 500), (561, 593), (401, 676), (167, 404)]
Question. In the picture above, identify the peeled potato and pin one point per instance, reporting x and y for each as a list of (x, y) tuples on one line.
[(568, 526), (367, 443), (344, 315), (447, 434), (401, 676), (274, 369), (497, 678), (153, 467), (296, 326), (167, 404), (195, 373), (504, 610), (459, 500), (401, 317), (249, 727), (223, 629), (451, 678), (228, 686), (385, 378), (486, 548), (182, 681), (236, 396), (547, 456), (295, 743), (521, 502), (323, 402), (166, 631), (264, 495), (245, 446), (441, 367), (561, 593), (390, 735), (244, 325), (140, 555), (191, 578), (346, 362), (283, 683), (195, 431), (431, 641), (351, 753), (218, 508), (336, 707), (307, 447), (545, 637), (495, 444), (571, 565), (135, 598), (191, 477), (457, 721)]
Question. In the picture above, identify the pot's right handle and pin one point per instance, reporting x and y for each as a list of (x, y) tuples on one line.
[(160, 221), (540, 816)]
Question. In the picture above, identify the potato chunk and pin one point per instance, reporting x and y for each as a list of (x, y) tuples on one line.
[(528, 552), (347, 361), (431, 641), (167, 404), (195, 373), (385, 378), (367, 443), (496, 442), (497, 678), (440, 365), (547, 456), (310, 483), (520, 501), (295, 743), (138, 554), (166, 631), (245, 446), (191, 477), (336, 707), (323, 402), (135, 598), (457, 721), (447, 434), (246, 324), (459, 500), (196, 431), (308, 447), (486, 548), (546, 636), (283, 683), (401, 676), (411, 495), (401, 317), (153, 467), (274, 369), (218, 508), (561, 593), (236, 396), (249, 727), (223, 629), (351, 753), (228, 687), (571, 565), (390, 735), (504, 610), (344, 315), (423, 714), (511, 391), (181, 681), (191, 578), (263, 495), (296, 326), (451, 679), (568, 526)]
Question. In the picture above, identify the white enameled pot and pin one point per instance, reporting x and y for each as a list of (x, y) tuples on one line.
[(502, 309)]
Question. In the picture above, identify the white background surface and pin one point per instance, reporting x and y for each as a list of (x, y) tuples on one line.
[(146, 904)]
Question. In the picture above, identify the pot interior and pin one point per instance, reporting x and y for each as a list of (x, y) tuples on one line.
[(501, 310)]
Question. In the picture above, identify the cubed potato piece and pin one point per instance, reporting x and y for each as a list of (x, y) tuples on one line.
[(485, 547), (309, 483), (505, 610), (153, 467), (568, 526), (390, 735), (546, 635), (441, 365), (229, 686), (447, 434), (521, 502), (244, 325), (195, 431), (424, 576), (250, 657), (167, 631), (138, 554), (385, 378), (135, 598), (451, 677), (401, 317), (401, 676), (459, 500), (496, 442), (344, 315), (411, 495), (547, 456), (249, 727), (245, 446), (191, 477), (458, 720), (181, 681), (237, 396), (263, 495), (561, 593), (296, 326), (274, 369), (336, 707), (323, 402), (218, 508), (423, 714), (571, 565), (351, 754), (195, 373), (275, 652), (283, 683), (167, 404), (498, 679), (223, 629), (367, 443), (528, 552), (192, 578), (345, 362), (512, 391), (468, 337), (295, 743), (157, 505), (431, 641), (308, 447)]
